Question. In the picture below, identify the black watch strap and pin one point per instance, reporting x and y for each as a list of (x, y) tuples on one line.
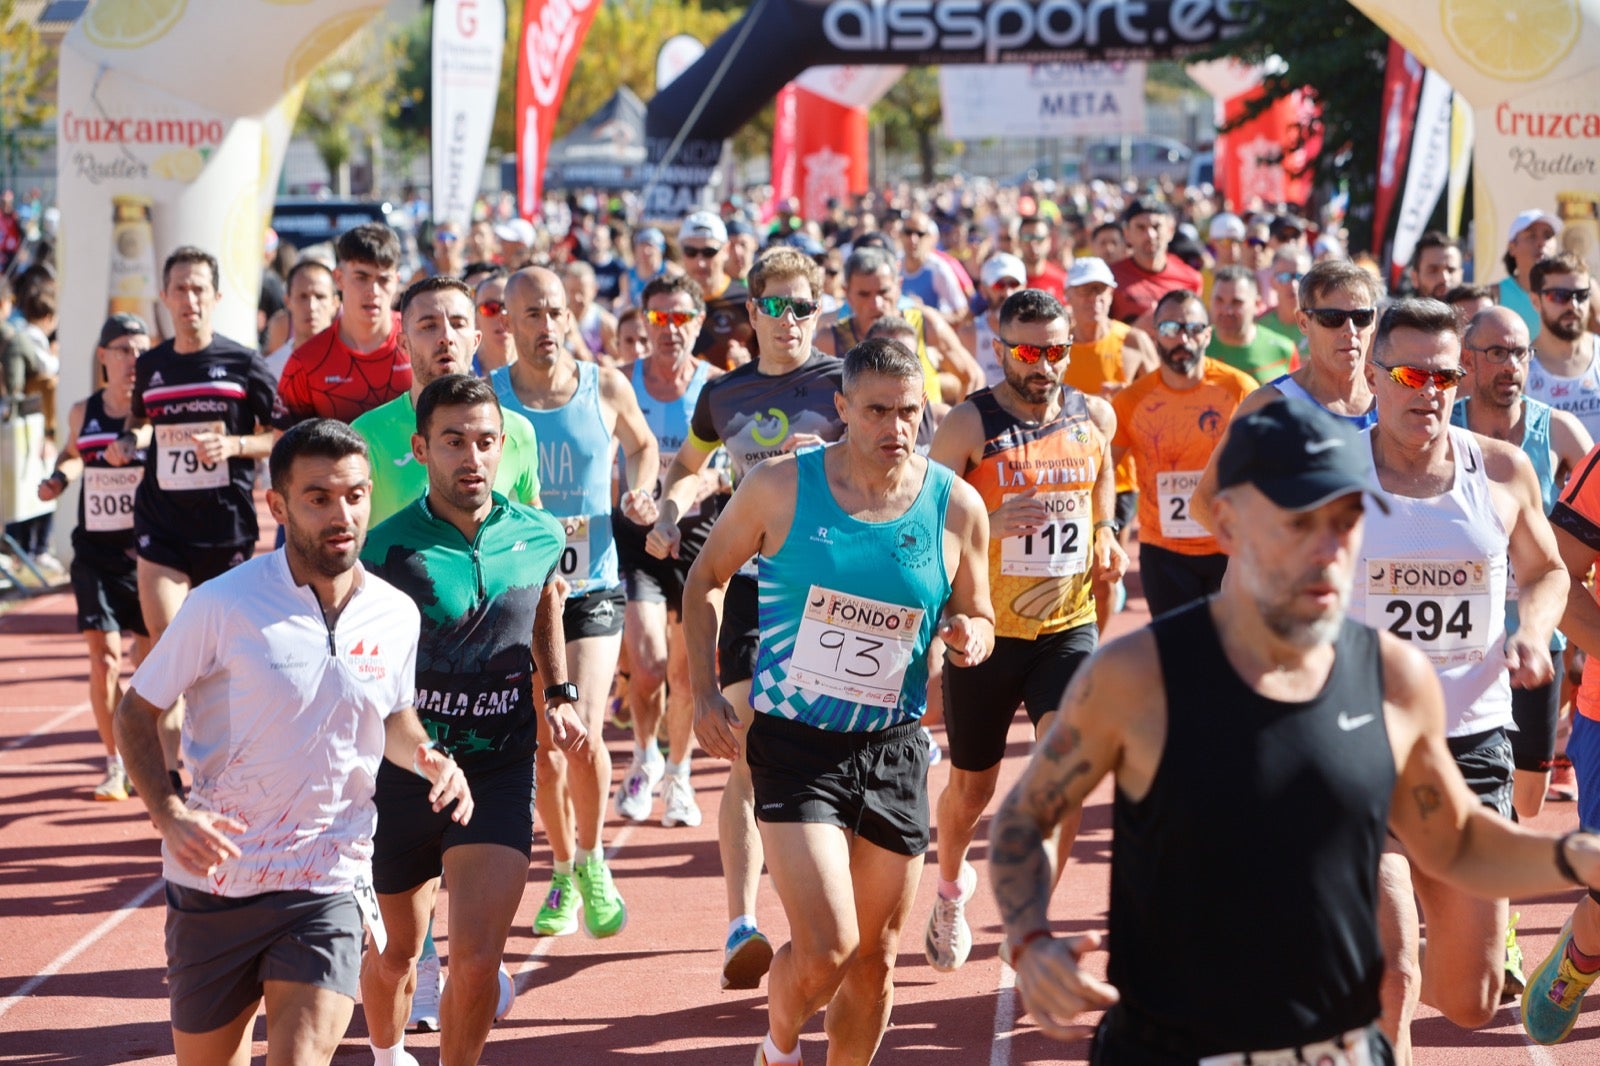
[(566, 692)]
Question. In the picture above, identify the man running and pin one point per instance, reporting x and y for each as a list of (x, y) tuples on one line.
[(1148, 273), (481, 567), (782, 401), (1532, 237), (496, 347), (864, 551), (1033, 248), (581, 413), (312, 302), (299, 672), (725, 340), (105, 583), (1436, 265), (596, 325), (1040, 457), (1002, 274), (1237, 340), (1290, 264), (1433, 571), (1275, 812), (924, 274), (1170, 422), (1566, 369)]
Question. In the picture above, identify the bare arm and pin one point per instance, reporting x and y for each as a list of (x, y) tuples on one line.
[(968, 624), (1139, 356), (69, 464), (1541, 579), (1570, 441), (550, 660), (1109, 559), (958, 439), (406, 744), (679, 493), (938, 334), (1581, 619), (641, 453), (1206, 490)]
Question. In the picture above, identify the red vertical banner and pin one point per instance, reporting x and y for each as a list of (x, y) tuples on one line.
[(1261, 162), (552, 33), (1402, 83), (830, 151), (785, 160)]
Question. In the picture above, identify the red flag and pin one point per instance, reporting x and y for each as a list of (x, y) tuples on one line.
[(785, 163), (1402, 82), (552, 33), (1255, 161)]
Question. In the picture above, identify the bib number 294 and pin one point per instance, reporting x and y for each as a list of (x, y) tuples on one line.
[(1425, 619)]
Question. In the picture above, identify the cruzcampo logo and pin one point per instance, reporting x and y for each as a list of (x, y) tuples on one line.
[(779, 419)]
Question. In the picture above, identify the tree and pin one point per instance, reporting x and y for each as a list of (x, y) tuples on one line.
[(347, 98), (27, 81), (910, 114)]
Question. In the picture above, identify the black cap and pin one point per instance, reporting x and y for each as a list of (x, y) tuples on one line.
[(1298, 455), (121, 325), (1145, 205)]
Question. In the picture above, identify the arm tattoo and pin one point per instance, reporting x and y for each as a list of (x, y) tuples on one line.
[(1427, 798)]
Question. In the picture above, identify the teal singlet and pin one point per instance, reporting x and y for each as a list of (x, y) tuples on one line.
[(848, 608), (575, 450)]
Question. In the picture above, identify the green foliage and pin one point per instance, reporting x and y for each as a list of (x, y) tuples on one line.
[(910, 114), (347, 99), (27, 73), (410, 107)]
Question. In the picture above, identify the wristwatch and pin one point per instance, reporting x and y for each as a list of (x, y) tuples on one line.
[(566, 692)]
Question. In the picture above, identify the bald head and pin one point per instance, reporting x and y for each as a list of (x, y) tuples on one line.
[(1495, 350), (536, 303), (1495, 325)]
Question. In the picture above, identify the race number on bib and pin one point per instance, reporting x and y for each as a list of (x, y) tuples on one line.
[(178, 464), (1173, 489), (1059, 548), (854, 648), (574, 565), (1441, 606), (108, 497)]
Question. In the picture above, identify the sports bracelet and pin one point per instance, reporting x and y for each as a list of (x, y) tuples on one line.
[(1104, 523), (1022, 945), (1563, 865)]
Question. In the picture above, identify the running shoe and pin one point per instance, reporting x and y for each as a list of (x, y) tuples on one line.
[(745, 962), (604, 913), (558, 914), (948, 940), (637, 793), (679, 806), (1563, 782), (761, 1054), (425, 1001), (115, 786), (1515, 979), (1119, 598), (1554, 996), (935, 753)]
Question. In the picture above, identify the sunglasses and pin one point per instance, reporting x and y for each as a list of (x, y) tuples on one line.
[(492, 308), (1496, 353), (1032, 353), (1336, 317), (1414, 377), (671, 318), (1255, 242), (915, 234), (775, 306), (1172, 329), (700, 253), (1288, 277), (1036, 238), (1566, 296)]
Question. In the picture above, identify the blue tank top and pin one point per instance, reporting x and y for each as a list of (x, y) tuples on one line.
[(1287, 385), (668, 419), (848, 608), (576, 447)]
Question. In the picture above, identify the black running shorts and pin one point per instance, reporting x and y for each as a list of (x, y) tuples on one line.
[(409, 845), (980, 701)]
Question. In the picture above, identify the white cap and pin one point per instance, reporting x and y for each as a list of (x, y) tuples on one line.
[(1227, 226), (1003, 265), (516, 231), (1528, 218), (1089, 270), (705, 226)]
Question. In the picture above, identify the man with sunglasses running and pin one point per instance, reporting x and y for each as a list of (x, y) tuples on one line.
[(726, 337), (1566, 368), (1433, 571), (1040, 456), (782, 401), (1170, 422)]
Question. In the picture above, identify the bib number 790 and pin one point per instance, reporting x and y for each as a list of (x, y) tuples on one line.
[(1425, 619)]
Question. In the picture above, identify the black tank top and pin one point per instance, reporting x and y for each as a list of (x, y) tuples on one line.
[(1244, 885), (108, 533)]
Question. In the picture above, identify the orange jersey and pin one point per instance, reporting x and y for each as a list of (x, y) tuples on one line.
[(1040, 582), (1172, 434), (1094, 364), (1578, 512)]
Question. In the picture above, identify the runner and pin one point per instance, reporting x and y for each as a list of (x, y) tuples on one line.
[(633, 342), (1236, 339), (105, 582), (667, 383), (1000, 276), (726, 339), (1170, 422), (1433, 572), (924, 274), (1532, 237), (1148, 273), (1033, 247), (1436, 264), (355, 364), (438, 337), (581, 413), (1352, 721), (838, 761), (1290, 265), (1566, 369), (783, 401), (496, 347), (312, 302), (1468, 300), (596, 325), (1039, 454), (298, 669), (649, 260), (482, 567)]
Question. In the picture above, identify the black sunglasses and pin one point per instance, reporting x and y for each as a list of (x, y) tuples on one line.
[(700, 253), (1336, 317)]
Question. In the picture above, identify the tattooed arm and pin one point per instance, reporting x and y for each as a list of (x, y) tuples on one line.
[(1446, 830)]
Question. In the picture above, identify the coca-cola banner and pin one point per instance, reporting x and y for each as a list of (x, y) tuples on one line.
[(552, 33), (1402, 82), (688, 121), (468, 42)]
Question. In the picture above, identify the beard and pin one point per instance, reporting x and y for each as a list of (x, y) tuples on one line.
[(312, 551), (1559, 327), (1298, 630), (1182, 359)]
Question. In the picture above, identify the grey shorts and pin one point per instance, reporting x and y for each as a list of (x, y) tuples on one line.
[(1485, 761), (222, 950)]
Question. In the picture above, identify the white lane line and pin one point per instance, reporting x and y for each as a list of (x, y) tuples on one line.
[(1005, 1017), (84, 943), (67, 715), (543, 944)]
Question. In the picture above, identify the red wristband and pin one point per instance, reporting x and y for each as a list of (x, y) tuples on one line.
[(1021, 946)]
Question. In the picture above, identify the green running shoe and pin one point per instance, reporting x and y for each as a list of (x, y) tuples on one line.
[(604, 913), (558, 915)]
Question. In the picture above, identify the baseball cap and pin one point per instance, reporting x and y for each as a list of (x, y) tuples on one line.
[(1226, 226), (1145, 205), (516, 231), (1528, 218), (703, 225), (740, 227), (806, 243), (1003, 265), (1298, 455), (1087, 270), (121, 325), (650, 235)]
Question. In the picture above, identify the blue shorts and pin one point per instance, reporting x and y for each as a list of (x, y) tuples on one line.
[(1583, 748)]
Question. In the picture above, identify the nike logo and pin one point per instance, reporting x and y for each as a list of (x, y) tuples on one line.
[(1320, 446), (404, 459), (1348, 724)]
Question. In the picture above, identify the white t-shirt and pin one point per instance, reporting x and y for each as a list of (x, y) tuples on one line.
[(280, 359), (284, 724)]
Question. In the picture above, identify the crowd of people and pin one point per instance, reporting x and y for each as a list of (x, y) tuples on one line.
[(793, 493)]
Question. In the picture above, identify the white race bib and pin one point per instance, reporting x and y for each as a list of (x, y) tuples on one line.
[(1173, 490), (854, 648), (108, 497), (1061, 545), (1443, 607), (367, 902), (178, 464), (574, 564)]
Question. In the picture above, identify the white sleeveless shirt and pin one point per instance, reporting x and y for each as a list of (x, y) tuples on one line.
[(984, 351), (1578, 396), (1433, 572)]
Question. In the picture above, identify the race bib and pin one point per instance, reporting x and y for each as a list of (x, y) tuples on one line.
[(108, 497), (1443, 607), (574, 565), (854, 648), (1060, 547), (367, 902), (1173, 490), (178, 464)]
